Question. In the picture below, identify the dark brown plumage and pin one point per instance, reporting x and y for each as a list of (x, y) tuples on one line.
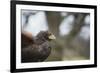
[(36, 49)]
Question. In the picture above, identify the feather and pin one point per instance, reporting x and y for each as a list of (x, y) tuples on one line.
[(35, 49)]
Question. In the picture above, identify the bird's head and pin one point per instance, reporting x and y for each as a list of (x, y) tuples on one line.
[(46, 35)]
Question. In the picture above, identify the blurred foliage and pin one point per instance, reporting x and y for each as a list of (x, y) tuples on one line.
[(68, 47)]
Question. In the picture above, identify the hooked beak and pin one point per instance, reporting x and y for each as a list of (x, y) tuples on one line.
[(51, 37)]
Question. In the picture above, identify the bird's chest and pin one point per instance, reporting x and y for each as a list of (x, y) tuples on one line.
[(44, 51)]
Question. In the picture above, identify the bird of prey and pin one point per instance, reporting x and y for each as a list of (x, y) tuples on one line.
[(35, 49)]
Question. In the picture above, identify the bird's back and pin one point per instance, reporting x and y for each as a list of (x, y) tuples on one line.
[(36, 53)]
